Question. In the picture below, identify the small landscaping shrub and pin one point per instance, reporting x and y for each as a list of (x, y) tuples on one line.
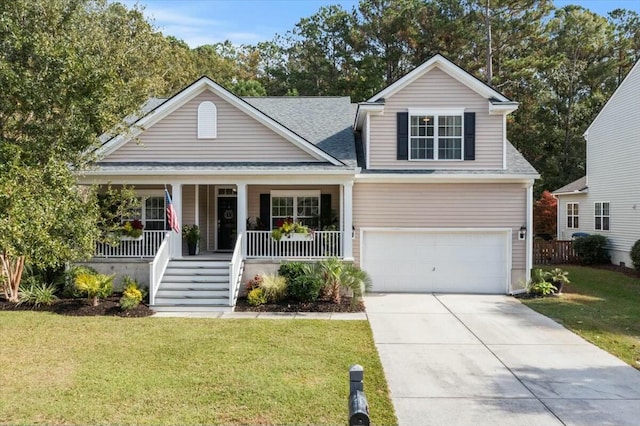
[(36, 294), (253, 283), (69, 288), (256, 297), (292, 270), (95, 286), (338, 276), (592, 249), (558, 278), (635, 255), (539, 286), (131, 296), (305, 288), (274, 287)]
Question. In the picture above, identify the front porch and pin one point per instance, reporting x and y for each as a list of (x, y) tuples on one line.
[(235, 223)]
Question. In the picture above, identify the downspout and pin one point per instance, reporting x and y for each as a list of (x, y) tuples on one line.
[(529, 242)]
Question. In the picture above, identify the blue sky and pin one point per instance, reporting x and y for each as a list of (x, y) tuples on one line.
[(199, 22)]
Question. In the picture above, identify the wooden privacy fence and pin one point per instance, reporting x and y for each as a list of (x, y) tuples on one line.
[(553, 252)]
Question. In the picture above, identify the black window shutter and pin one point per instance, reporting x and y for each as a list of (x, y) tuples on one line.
[(403, 136), (325, 210), (265, 211), (469, 136)]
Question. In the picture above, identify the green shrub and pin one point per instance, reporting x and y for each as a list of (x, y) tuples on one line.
[(132, 295), (592, 249), (95, 286), (558, 278), (69, 288), (292, 270), (256, 297), (36, 294), (538, 285), (338, 276), (305, 288), (274, 287), (635, 255)]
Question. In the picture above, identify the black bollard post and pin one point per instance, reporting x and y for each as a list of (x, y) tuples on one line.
[(358, 405)]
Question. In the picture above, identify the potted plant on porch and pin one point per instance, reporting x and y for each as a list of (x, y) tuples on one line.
[(192, 234)]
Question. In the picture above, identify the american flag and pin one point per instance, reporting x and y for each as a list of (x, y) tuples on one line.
[(172, 217)]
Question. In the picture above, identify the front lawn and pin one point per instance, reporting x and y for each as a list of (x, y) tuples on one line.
[(97, 370), (600, 305)]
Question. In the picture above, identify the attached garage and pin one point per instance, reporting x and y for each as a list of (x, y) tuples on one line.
[(437, 260)]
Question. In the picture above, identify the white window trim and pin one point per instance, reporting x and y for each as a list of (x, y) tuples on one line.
[(143, 194), (294, 194), (436, 113), (573, 215), (601, 215)]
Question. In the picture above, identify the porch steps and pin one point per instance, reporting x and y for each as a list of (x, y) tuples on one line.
[(194, 286)]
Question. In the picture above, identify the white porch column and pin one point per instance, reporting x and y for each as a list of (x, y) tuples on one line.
[(347, 211), (176, 199), (529, 242), (242, 215)]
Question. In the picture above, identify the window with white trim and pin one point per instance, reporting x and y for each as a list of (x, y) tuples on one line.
[(435, 136), (299, 206), (152, 213), (602, 216), (572, 215), (207, 120)]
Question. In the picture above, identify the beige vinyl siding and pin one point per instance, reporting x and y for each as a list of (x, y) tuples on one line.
[(613, 165), (434, 90), (584, 211), (240, 138), (254, 192), (443, 206)]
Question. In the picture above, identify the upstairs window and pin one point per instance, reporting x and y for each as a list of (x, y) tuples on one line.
[(572, 216), (435, 136), (602, 216), (207, 120)]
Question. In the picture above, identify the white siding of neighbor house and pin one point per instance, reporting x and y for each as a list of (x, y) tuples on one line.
[(613, 167), (585, 215), (239, 138), (444, 206), (434, 90)]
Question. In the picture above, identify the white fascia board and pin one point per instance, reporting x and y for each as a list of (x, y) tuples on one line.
[(448, 67), (237, 172), (363, 111), (584, 191), (502, 109), (444, 178), (225, 180), (191, 92)]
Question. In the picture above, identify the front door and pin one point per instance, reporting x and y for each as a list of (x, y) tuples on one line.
[(227, 224)]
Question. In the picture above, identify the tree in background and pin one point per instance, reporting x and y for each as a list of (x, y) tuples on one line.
[(545, 215)]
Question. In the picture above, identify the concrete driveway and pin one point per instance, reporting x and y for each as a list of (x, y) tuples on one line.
[(490, 360)]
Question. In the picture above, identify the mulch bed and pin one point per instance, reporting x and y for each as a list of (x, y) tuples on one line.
[(617, 268), (81, 308), (289, 305)]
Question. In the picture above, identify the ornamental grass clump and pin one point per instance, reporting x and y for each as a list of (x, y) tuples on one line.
[(274, 287), (95, 286), (36, 294)]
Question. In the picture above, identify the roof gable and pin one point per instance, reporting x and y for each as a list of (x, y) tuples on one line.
[(448, 67), (173, 104)]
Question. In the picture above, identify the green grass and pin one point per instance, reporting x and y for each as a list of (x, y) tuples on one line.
[(601, 306), (66, 370)]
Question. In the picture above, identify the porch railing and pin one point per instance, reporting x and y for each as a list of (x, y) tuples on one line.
[(147, 246), (322, 244), (235, 270), (158, 266)]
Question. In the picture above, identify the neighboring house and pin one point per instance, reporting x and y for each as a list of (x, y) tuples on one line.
[(607, 200), (423, 189)]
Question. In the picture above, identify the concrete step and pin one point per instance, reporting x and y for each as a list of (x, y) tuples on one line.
[(198, 270), (190, 308), (198, 264), (190, 294), (195, 278), (205, 301)]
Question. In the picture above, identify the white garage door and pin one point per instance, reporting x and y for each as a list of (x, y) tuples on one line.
[(437, 261)]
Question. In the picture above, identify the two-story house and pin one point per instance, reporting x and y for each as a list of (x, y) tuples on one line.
[(607, 200), (418, 185)]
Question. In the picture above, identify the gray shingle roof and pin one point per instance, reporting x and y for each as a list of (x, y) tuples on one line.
[(516, 165), (575, 186), (323, 121)]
